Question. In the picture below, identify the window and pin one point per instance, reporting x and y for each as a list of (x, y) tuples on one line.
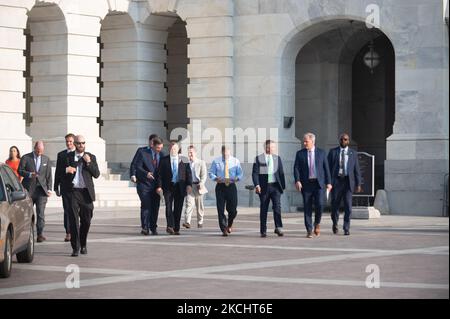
[(11, 182), (2, 191)]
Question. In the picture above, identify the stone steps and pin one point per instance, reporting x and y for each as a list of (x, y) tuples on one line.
[(110, 191)]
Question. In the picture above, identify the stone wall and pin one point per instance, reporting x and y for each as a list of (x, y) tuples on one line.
[(242, 57)]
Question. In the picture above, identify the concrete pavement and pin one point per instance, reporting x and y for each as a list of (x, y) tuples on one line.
[(409, 255)]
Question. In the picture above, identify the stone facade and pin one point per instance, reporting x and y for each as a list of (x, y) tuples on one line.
[(242, 72)]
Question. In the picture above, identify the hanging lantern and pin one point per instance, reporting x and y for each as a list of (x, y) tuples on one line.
[(371, 58)]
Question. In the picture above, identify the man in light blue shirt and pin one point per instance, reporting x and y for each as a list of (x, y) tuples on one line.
[(226, 171)]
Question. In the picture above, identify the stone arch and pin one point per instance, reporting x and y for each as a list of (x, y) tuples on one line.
[(46, 74), (320, 94)]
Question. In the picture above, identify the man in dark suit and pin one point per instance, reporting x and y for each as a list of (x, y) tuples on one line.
[(312, 176), (175, 181), (147, 163), (269, 181), (35, 169), (60, 190), (345, 178), (135, 157), (133, 174), (82, 167)]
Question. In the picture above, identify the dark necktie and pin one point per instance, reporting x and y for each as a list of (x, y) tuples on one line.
[(342, 164)]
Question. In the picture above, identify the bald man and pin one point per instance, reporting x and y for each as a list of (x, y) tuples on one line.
[(82, 167), (36, 171)]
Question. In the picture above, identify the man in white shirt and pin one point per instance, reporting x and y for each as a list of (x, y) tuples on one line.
[(79, 173), (345, 178), (59, 175)]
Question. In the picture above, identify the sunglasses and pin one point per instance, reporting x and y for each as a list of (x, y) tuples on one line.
[(78, 143)]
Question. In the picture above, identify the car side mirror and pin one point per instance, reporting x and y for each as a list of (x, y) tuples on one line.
[(16, 196)]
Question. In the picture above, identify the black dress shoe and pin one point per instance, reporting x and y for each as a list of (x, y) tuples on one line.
[(335, 230), (278, 232), (346, 232), (74, 253), (154, 232), (225, 233), (263, 235), (170, 230), (144, 232), (83, 251)]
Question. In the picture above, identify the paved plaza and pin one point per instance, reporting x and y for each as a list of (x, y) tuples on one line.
[(411, 253)]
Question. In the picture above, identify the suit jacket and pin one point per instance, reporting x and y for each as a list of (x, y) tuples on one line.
[(44, 178), (165, 174), (301, 168), (201, 173), (259, 172), (144, 165), (62, 161), (133, 162), (354, 174), (89, 171)]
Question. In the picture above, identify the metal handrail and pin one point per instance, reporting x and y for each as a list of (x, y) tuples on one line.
[(445, 197)]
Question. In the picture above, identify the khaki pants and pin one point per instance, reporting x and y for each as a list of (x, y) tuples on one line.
[(194, 200)]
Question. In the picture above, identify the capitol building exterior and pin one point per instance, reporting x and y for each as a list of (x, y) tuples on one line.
[(117, 70)]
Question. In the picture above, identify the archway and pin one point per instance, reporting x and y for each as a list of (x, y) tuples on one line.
[(46, 75), (143, 81), (336, 92)]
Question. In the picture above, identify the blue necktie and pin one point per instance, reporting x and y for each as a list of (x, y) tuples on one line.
[(174, 171)]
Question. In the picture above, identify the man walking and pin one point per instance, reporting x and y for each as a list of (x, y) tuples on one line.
[(195, 198), (268, 179), (311, 174), (79, 173), (345, 178), (175, 181), (60, 190), (35, 169), (134, 179), (147, 164), (226, 171)]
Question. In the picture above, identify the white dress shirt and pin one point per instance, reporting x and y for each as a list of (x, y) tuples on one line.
[(345, 160), (78, 181)]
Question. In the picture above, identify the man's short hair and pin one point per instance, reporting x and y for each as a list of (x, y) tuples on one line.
[(225, 147), (152, 136), (157, 141), (192, 147), (69, 135), (267, 142), (310, 136)]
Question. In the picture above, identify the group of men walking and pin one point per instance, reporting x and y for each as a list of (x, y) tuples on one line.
[(181, 179), (177, 178)]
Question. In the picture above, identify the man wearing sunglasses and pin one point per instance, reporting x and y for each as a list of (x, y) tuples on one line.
[(82, 167), (345, 178)]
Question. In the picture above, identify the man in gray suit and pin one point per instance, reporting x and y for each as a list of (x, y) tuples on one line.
[(195, 198), (36, 171)]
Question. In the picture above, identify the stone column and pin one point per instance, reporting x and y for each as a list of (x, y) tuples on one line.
[(133, 77), (12, 82), (417, 151), (210, 69), (83, 110)]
